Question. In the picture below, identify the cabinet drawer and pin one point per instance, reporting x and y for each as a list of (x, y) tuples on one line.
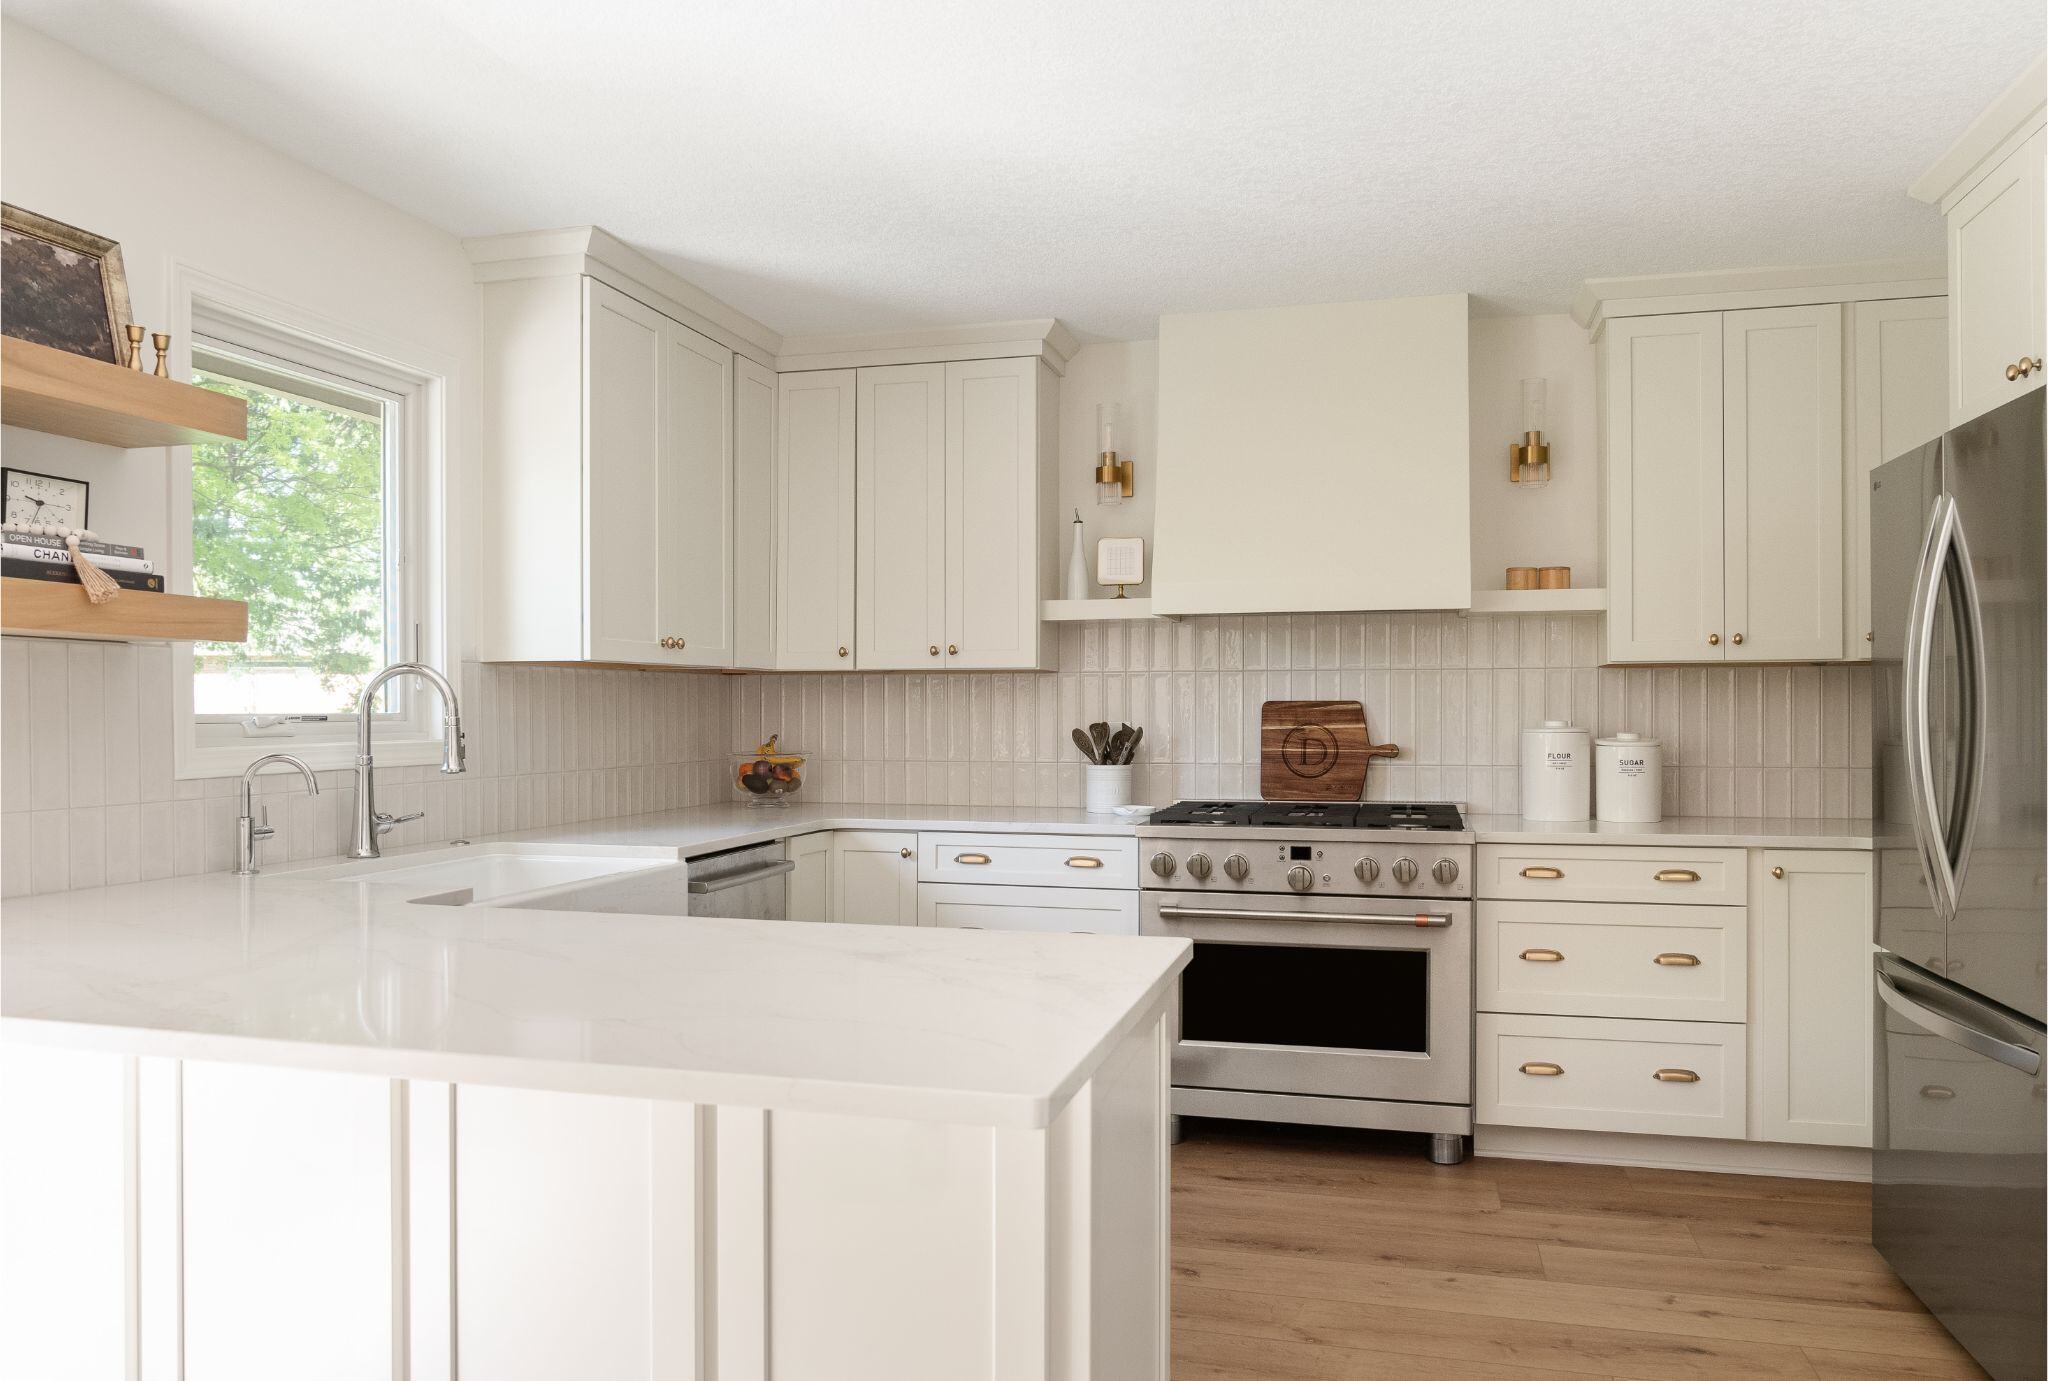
[(1613, 959), (1090, 910), (1599, 1074), (1029, 860), (1684, 877)]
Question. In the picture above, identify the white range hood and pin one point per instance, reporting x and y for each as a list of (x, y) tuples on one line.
[(1314, 458)]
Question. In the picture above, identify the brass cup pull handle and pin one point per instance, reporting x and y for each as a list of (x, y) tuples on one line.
[(1543, 956), (1675, 1076), (1677, 875), (1542, 1068), (1083, 861), (1678, 961), (971, 860), (1940, 1093), (1543, 874)]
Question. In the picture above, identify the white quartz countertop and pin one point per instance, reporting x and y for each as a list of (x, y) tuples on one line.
[(933, 1024), (708, 829), (1681, 831)]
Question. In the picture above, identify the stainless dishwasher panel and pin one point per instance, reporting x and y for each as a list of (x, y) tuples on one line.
[(749, 884)]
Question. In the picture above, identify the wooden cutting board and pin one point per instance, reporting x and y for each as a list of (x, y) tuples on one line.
[(1315, 750)]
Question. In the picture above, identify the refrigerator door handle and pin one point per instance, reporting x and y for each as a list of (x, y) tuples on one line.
[(2019, 1057), (1976, 704), (1943, 846)]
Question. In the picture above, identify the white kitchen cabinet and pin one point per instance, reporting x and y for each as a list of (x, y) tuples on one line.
[(1996, 283), (1898, 399), (754, 407), (874, 877), (808, 896), (1782, 483), (900, 544), (814, 521), (1811, 1015), (1282, 429), (1661, 386), (998, 493), (1603, 1074), (608, 527), (969, 906), (1723, 444)]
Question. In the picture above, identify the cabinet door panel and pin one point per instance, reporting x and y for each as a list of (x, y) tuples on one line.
[(1811, 990), (808, 897), (1782, 486), (901, 507), (874, 877), (753, 489), (696, 499), (1899, 359), (814, 529), (1661, 378), (992, 486), (1994, 279), (622, 464)]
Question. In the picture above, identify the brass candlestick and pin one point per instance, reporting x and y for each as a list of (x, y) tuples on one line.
[(162, 341), (135, 334)]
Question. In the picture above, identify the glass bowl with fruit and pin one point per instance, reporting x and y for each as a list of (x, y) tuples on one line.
[(769, 774)]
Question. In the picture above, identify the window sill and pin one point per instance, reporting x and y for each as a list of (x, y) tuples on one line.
[(322, 755)]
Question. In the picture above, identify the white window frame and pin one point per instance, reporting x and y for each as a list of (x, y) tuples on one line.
[(231, 320)]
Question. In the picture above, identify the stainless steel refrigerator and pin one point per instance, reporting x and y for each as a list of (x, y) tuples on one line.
[(1959, 606)]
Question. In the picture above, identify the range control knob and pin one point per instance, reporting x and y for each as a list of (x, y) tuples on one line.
[(1162, 864), (1404, 871), (1237, 866), (1445, 871), (1300, 878), (1198, 867), (1366, 870)]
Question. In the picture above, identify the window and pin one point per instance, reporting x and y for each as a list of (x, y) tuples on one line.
[(325, 521), (299, 521)]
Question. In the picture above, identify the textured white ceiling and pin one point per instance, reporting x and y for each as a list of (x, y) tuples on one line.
[(847, 165)]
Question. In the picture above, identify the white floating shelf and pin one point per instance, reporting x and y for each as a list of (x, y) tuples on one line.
[(1538, 601), (1098, 610)]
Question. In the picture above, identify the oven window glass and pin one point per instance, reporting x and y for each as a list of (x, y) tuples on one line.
[(1300, 995)]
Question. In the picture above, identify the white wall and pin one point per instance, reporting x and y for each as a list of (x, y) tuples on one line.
[(174, 188), (1559, 524)]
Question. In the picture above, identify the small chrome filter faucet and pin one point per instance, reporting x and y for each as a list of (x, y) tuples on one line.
[(247, 832)]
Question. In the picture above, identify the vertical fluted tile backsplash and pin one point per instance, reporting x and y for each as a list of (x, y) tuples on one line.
[(90, 796), (1452, 692)]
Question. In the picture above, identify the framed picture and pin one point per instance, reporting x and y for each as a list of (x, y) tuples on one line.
[(64, 287), (32, 498)]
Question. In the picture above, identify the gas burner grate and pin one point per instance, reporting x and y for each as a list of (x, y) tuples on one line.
[(1409, 815), (1314, 815), (1205, 813)]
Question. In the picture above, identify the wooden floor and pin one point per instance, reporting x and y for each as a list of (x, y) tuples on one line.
[(1309, 1254)]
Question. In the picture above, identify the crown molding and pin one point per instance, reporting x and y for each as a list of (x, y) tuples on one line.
[(1731, 289), (2005, 124), (1045, 338)]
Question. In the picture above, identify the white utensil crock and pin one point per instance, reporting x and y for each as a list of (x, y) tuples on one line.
[(1108, 787), (1629, 779), (1557, 772)]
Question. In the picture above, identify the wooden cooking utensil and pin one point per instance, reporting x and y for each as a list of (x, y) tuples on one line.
[(1086, 745), (1315, 750)]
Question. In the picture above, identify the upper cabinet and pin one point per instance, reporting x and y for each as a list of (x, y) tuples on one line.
[(1898, 385), (610, 530), (1314, 458), (1989, 186), (814, 527)]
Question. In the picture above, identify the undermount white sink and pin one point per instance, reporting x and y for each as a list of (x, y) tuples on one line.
[(469, 876)]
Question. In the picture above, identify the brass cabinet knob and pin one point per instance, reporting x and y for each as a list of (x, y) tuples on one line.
[(904, 853), (682, 642), (935, 649), (668, 642), (1870, 637), (952, 649), (2027, 365), (1777, 872), (1737, 640), (1713, 640), (842, 652)]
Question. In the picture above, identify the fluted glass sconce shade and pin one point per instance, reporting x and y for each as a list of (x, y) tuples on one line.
[(1529, 458), (1114, 471)]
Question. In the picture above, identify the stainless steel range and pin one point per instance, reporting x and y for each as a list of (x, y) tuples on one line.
[(1332, 977)]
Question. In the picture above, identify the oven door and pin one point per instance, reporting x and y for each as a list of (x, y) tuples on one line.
[(1336, 997)]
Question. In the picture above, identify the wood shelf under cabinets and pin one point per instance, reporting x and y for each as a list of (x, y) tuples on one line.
[(64, 394), (1099, 610), (50, 609), (1538, 601)]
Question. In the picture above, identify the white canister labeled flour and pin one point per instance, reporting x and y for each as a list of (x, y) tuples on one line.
[(1630, 769), (1557, 772)]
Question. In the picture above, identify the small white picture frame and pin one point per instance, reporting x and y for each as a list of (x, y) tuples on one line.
[(1120, 561)]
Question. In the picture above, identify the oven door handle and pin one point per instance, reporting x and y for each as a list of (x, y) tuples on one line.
[(1419, 920)]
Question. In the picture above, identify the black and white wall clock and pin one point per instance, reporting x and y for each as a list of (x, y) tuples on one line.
[(34, 498)]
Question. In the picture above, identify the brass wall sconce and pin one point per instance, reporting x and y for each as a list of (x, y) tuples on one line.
[(1115, 474), (1529, 458)]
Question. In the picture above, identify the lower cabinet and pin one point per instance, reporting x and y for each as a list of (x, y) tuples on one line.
[(1810, 1000), (970, 906), (874, 877), (1607, 1074), (808, 893)]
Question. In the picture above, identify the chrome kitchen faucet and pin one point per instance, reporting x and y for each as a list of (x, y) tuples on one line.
[(247, 832), (369, 823)]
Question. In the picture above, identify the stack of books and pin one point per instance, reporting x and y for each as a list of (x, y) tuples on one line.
[(33, 556)]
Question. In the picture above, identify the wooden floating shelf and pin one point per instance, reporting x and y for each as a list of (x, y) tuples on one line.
[(64, 394), (1099, 610), (53, 609), (1538, 601)]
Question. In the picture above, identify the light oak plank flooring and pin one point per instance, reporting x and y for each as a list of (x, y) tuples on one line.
[(1313, 1255)]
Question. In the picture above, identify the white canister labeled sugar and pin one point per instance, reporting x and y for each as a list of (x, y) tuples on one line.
[(1557, 772), (1630, 769)]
